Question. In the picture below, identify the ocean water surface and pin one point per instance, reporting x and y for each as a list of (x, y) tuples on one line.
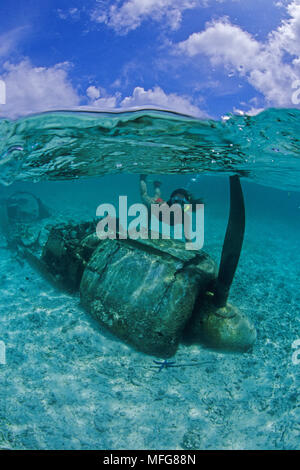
[(65, 382)]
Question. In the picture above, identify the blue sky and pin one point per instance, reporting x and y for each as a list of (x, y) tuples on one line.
[(200, 57)]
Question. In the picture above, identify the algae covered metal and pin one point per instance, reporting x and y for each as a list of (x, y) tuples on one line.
[(149, 293), (145, 291)]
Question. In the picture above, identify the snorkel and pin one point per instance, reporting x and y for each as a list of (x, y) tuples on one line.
[(233, 243), (215, 322)]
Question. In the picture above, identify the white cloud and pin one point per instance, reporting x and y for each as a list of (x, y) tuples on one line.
[(35, 89), (100, 99), (141, 98), (93, 92), (158, 98), (105, 103), (10, 39), (32, 89), (71, 13), (224, 43), (263, 64), (132, 13), (287, 36)]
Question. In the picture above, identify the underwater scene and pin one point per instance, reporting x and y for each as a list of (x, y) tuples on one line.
[(116, 339)]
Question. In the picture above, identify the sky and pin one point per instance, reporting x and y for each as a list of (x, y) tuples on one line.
[(205, 58)]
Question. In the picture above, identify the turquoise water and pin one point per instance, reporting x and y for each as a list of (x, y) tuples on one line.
[(69, 384), (68, 145)]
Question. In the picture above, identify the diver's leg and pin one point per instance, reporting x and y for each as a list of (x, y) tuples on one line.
[(157, 191), (147, 200)]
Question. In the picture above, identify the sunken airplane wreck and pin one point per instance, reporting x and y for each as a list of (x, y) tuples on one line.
[(152, 294)]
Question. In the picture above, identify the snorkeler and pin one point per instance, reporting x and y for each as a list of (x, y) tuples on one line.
[(148, 200), (179, 196)]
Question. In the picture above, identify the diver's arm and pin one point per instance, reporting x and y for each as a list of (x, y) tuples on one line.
[(157, 191), (143, 190)]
